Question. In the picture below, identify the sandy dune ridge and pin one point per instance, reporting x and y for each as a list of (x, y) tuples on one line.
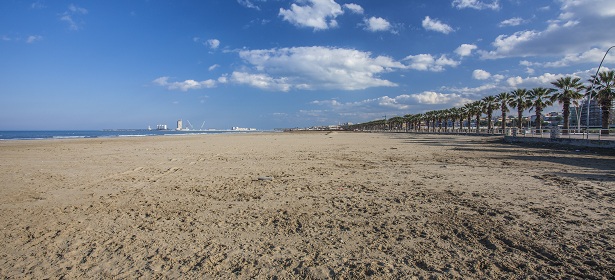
[(304, 205)]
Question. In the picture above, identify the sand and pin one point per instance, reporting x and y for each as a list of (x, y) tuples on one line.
[(304, 205)]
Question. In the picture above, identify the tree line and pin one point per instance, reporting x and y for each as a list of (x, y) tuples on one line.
[(566, 91)]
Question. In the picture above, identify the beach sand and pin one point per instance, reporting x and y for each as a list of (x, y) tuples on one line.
[(304, 205)]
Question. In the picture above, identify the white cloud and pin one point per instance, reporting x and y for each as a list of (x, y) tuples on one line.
[(431, 97), (248, 4), (213, 43), (73, 17), (185, 85), (210, 43), (593, 54), (579, 27), (436, 25), (33, 38), (262, 81), (319, 68), (213, 67), (488, 88), (38, 5), (427, 62), (77, 10), (317, 14), (497, 77), (601, 8), (512, 22), (332, 103), (355, 8), (543, 80), (465, 50), (375, 24), (375, 104), (368, 109), (480, 74), (506, 45), (476, 4)]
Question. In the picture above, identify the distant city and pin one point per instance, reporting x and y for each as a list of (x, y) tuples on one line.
[(189, 127)]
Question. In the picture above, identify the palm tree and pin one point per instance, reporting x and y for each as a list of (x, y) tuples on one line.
[(477, 110), (445, 116), (416, 122), (462, 113), (395, 123), (504, 99), (438, 116), (569, 90), (434, 118), (606, 93), (427, 118), (420, 118), (520, 102), (408, 121), (539, 99), (454, 114), (490, 104), (469, 110)]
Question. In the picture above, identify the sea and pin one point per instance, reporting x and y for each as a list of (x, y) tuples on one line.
[(69, 134)]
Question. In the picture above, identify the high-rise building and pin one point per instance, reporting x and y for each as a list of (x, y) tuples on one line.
[(179, 125), (595, 114)]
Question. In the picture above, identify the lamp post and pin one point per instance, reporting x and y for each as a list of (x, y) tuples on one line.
[(385, 122), (589, 92)]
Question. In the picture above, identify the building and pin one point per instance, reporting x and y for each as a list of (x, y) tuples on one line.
[(595, 114), (179, 125), (236, 128)]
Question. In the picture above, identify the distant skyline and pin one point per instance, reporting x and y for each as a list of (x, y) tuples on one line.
[(281, 63)]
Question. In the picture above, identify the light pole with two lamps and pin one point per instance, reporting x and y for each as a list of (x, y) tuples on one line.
[(589, 92)]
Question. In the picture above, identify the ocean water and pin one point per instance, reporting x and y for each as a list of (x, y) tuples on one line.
[(68, 134)]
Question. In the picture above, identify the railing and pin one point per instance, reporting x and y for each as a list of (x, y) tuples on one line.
[(591, 134)]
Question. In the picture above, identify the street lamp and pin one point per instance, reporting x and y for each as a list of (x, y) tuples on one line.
[(589, 92), (385, 122)]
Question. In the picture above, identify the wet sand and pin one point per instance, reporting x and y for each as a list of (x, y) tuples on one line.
[(304, 205)]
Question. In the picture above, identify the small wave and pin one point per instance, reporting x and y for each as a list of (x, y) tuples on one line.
[(135, 135), (31, 138), (68, 137)]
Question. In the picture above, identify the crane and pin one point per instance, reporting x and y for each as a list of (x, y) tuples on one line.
[(191, 127)]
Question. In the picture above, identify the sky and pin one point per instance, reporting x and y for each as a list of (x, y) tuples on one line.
[(282, 63)]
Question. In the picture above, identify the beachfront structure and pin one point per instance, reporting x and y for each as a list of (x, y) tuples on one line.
[(595, 114), (236, 128), (179, 125)]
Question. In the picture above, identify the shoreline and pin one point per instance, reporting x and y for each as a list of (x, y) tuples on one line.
[(333, 205), (99, 134)]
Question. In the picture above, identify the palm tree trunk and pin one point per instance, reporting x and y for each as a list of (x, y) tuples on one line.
[(566, 116), (469, 122), (477, 123), (503, 120), (606, 107), (489, 122), (520, 121), (538, 117)]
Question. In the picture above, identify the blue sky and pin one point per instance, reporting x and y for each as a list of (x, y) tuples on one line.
[(281, 63)]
